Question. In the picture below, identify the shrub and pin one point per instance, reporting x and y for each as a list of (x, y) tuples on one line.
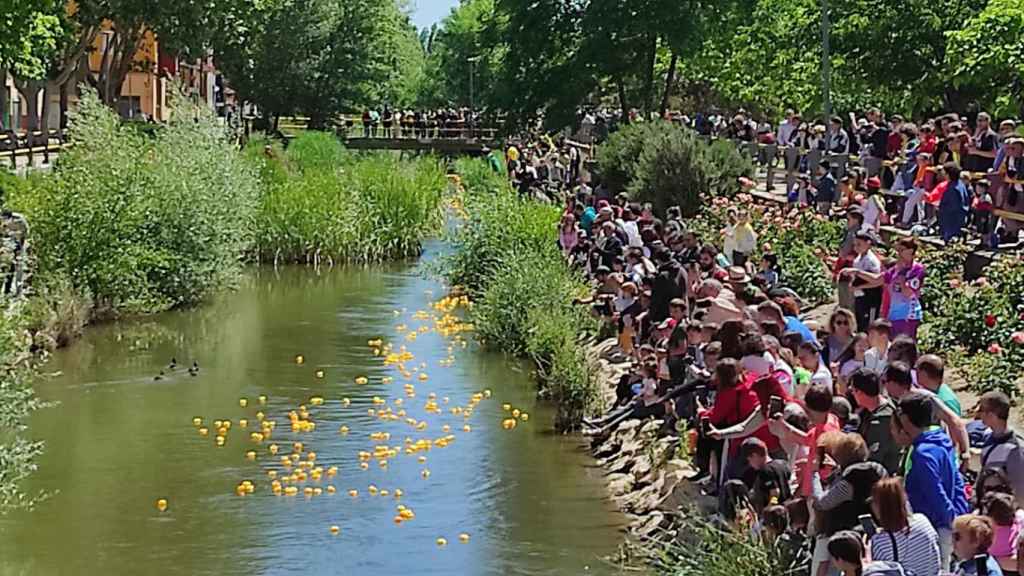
[(321, 201), (142, 224), (505, 257), (665, 165), (17, 453)]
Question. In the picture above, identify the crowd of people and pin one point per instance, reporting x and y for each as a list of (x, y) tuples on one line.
[(838, 443), (387, 122), (903, 169)]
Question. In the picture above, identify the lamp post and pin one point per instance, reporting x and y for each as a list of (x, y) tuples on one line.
[(472, 104), (826, 62)]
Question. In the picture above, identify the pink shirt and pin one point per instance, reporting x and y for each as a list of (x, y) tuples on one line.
[(807, 472), (1004, 540)]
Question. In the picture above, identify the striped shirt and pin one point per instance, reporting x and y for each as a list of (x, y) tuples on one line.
[(917, 547)]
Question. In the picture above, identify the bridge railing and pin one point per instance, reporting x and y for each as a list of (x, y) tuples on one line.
[(14, 145), (353, 127)]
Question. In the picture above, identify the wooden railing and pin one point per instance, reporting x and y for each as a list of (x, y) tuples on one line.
[(29, 144)]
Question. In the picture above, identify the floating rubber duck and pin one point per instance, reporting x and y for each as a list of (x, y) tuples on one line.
[(464, 538), (250, 455), (161, 504), (353, 493), (515, 413), (335, 530), (203, 431), (361, 380), (263, 400), (319, 373), (331, 489), (300, 359), (372, 490), (197, 421), (220, 440), (524, 416), (243, 423), (442, 542), (466, 428), (425, 473), (345, 402), (506, 407), (243, 402), (508, 423)]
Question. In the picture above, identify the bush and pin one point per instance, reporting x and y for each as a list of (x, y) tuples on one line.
[(505, 257), (17, 453), (321, 201), (666, 165), (142, 223)]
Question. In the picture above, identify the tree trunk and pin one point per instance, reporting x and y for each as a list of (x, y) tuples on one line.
[(623, 102), (118, 58), (670, 79), (4, 108), (30, 90), (64, 106), (648, 94)]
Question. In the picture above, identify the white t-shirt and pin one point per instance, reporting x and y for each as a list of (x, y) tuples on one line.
[(822, 376), (876, 360), (869, 262), (872, 214), (632, 233)]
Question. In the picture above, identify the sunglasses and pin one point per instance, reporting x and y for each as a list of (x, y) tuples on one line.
[(842, 323)]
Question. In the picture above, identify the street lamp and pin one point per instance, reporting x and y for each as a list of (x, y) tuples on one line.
[(472, 105), (826, 62)]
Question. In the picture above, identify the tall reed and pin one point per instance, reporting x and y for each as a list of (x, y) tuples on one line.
[(321, 201)]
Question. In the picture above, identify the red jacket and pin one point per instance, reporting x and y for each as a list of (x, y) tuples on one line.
[(736, 404)]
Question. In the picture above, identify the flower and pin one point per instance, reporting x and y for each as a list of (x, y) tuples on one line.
[(954, 283), (1018, 337), (994, 348), (990, 320)]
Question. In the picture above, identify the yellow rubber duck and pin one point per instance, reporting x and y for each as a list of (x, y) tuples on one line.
[(331, 489), (442, 542), (335, 530), (220, 440), (161, 504), (508, 423), (466, 428), (263, 400), (506, 407), (271, 474), (300, 359), (425, 473), (243, 423), (250, 455), (353, 493), (464, 538), (524, 416), (273, 449), (364, 466), (243, 402), (343, 430), (197, 421), (372, 490), (203, 431), (361, 380)]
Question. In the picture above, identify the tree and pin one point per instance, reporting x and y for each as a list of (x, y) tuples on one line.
[(463, 35), (29, 38), (987, 53)]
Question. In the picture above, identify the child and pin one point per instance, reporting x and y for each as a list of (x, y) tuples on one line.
[(1007, 522), (745, 237), (981, 211), (879, 336), (768, 276)]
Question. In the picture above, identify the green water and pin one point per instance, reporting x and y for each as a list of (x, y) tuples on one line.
[(118, 440)]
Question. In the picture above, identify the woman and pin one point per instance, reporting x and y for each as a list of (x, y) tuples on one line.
[(735, 401), (908, 540), (849, 555), (850, 360), (568, 234), (903, 283), (841, 326), (972, 536)]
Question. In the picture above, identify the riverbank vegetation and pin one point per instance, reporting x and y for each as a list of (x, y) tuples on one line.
[(522, 289), (323, 203)]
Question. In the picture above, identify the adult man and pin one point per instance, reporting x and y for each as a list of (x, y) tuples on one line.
[(1004, 449), (838, 141), (787, 128), (875, 414), (666, 286), (934, 485), (930, 372), (709, 268), (898, 382), (867, 301)]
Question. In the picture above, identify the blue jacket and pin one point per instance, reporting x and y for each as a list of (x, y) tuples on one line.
[(953, 210), (933, 482)]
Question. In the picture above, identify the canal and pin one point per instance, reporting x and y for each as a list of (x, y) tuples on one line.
[(119, 437)]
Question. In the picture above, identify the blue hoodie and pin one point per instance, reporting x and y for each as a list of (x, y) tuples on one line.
[(933, 482)]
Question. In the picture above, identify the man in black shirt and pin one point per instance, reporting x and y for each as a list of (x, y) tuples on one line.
[(875, 414), (767, 478)]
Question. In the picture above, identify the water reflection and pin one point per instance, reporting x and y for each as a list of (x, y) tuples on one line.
[(120, 439)]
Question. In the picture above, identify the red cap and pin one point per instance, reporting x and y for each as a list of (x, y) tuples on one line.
[(874, 183)]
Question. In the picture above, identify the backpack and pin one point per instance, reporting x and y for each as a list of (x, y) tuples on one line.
[(883, 569)]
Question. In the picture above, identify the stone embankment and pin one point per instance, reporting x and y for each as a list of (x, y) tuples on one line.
[(646, 475)]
